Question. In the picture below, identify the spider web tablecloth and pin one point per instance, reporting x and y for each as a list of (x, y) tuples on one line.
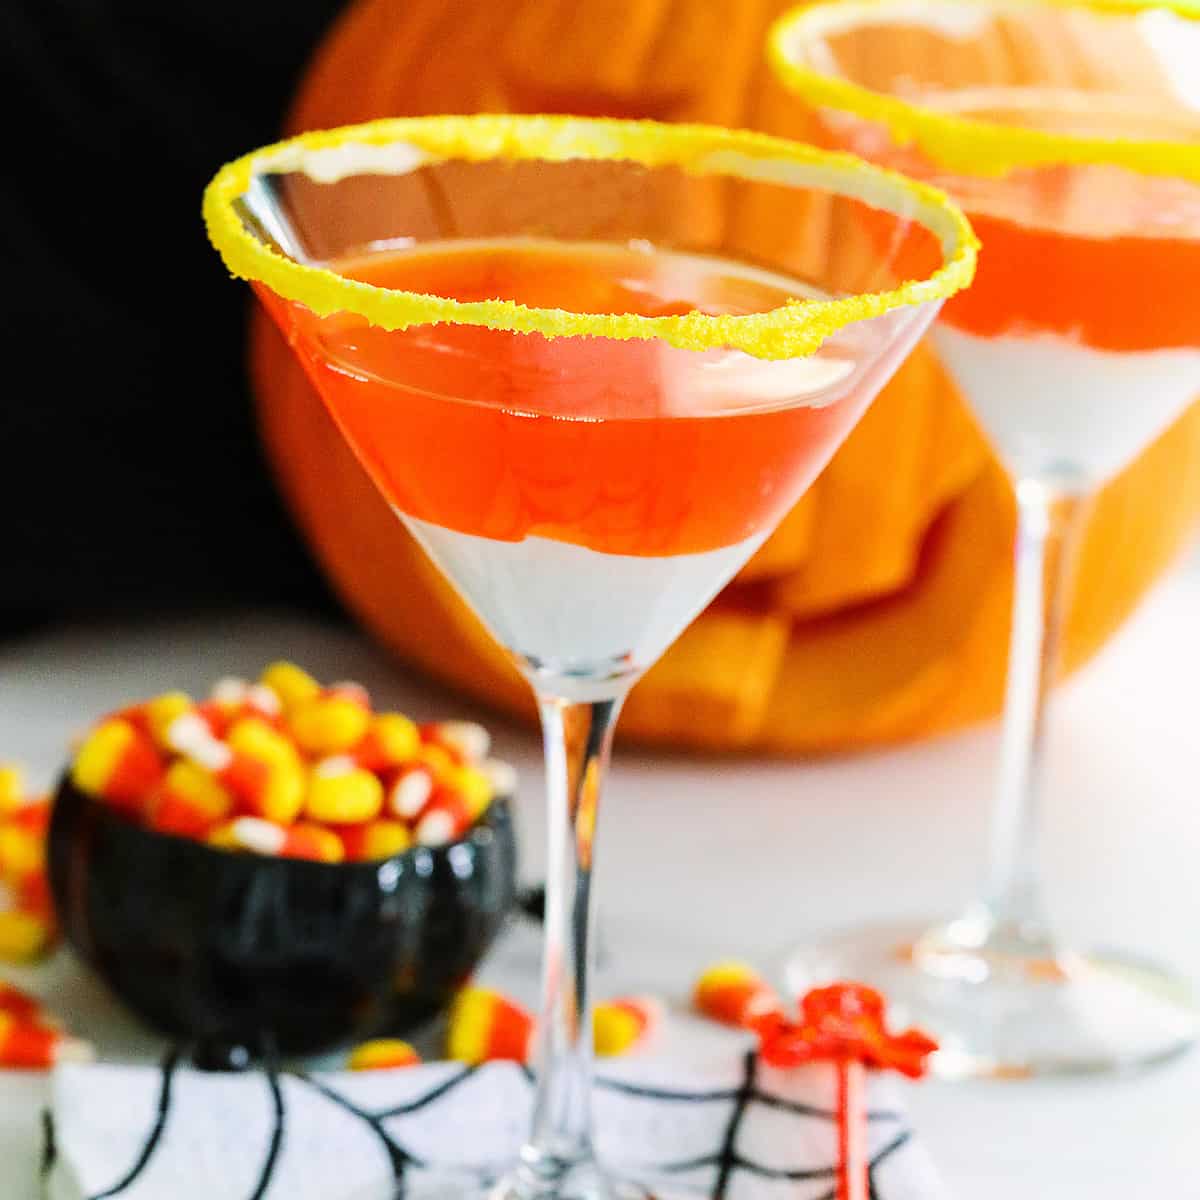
[(734, 1129)]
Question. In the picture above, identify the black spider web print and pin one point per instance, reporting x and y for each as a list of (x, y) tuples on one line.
[(725, 1160)]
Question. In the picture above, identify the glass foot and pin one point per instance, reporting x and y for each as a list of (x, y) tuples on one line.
[(584, 1182), (1005, 1005)]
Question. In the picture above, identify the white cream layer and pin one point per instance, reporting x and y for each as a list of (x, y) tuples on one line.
[(571, 609), (1059, 409)]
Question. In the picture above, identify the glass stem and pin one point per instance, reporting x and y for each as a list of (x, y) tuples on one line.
[(577, 738), (1048, 524)]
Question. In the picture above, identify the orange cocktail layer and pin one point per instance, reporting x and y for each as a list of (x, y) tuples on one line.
[(1101, 255), (627, 447), (1069, 267), (1093, 253)]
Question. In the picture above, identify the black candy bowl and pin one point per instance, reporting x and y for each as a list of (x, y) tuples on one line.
[(237, 950)]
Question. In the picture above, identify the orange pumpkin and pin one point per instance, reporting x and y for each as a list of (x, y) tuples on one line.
[(879, 609)]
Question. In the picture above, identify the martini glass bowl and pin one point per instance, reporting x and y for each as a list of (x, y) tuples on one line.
[(590, 385), (1070, 133)]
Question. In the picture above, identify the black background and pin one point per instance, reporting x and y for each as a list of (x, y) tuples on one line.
[(130, 476)]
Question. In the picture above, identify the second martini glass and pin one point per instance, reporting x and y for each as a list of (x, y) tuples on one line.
[(1070, 133), (590, 365)]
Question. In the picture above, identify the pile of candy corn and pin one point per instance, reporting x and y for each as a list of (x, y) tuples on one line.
[(289, 768), (27, 927), (30, 1040), (487, 1026)]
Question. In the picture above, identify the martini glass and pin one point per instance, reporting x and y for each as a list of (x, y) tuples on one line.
[(1070, 134), (589, 383)]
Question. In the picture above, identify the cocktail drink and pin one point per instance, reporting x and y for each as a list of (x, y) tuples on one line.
[(1070, 133), (584, 501), (567, 358)]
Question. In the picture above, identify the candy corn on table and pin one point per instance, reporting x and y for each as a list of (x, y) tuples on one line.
[(738, 857)]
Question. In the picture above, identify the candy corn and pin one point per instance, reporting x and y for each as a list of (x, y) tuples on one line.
[(286, 752), (350, 691), (292, 685), (245, 699), (466, 741), (255, 737), (26, 1045), (229, 692), (272, 840), (22, 852), (194, 735), (157, 714), (501, 776), (151, 717), (216, 719), (620, 1026), (232, 699), (190, 801), (305, 840), (118, 763), (224, 837), (23, 841), (261, 700), (391, 739), (255, 764), (409, 792), (457, 801), (29, 1038), (371, 841), (33, 816), (274, 791), (18, 1005), (437, 759), (472, 785), (445, 819), (23, 936), (485, 1026), (332, 722), (264, 772), (341, 793), (735, 994), (31, 894), (382, 1053), (28, 928), (12, 789)]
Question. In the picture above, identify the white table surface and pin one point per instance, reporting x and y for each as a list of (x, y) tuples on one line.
[(702, 859)]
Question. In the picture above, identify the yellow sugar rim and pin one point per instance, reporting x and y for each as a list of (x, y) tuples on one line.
[(400, 145), (958, 143)]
